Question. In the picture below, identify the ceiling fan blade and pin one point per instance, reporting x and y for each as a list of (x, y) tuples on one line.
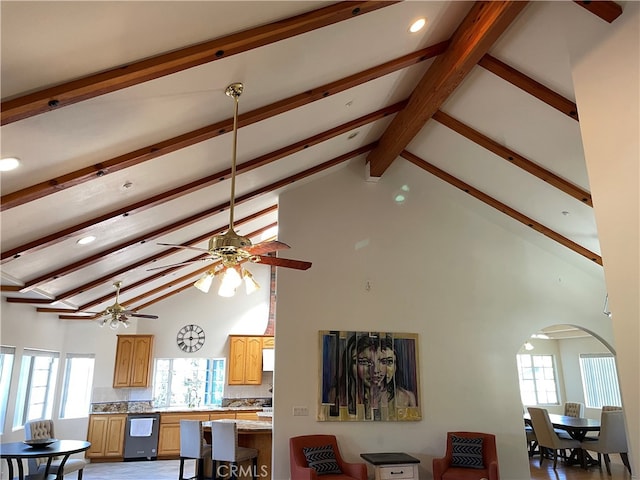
[(186, 247), (141, 315), (266, 247), (189, 262), (284, 262)]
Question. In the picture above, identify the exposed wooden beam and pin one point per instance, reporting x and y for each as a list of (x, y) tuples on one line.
[(479, 30), (606, 10), (178, 60), (78, 177), (105, 254), (10, 288), (104, 220), (529, 85), (32, 301), (492, 202), (534, 169)]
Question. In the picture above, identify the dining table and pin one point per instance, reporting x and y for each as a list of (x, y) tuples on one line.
[(59, 448), (577, 428)]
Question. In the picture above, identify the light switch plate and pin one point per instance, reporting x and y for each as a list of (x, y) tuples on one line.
[(300, 411)]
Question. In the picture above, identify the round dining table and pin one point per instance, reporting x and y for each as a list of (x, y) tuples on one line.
[(59, 448)]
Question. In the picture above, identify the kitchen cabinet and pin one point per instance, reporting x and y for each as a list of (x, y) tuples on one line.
[(245, 360), (169, 436), (106, 434), (133, 361)]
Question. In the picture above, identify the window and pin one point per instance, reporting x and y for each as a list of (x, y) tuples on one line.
[(36, 386), (7, 354), (600, 380), (537, 380), (188, 382), (76, 390)]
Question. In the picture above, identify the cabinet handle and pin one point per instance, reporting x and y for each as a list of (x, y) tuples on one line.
[(397, 473)]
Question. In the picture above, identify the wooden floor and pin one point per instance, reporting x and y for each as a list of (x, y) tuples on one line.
[(168, 470), (564, 472)]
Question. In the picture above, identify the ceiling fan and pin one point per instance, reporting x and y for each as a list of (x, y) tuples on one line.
[(116, 314), (231, 250)]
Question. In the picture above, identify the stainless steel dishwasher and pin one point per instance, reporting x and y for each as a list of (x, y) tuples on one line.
[(141, 436)]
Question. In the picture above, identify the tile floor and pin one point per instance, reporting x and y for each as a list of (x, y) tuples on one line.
[(142, 470)]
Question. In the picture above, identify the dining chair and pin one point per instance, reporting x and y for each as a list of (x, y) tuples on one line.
[(532, 441), (313, 457), (37, 429), (609, 408), (574, 409), (193, 446), (612, 439), (547, 437), (224, 440)]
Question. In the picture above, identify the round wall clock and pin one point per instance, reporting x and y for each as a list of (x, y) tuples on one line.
[(190, 338)]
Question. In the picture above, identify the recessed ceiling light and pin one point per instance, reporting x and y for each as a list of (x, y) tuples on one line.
[(9, 163), (86, 240), (417, 25)]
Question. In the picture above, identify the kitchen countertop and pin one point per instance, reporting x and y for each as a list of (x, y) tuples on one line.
[(246, 425), (184, 410)]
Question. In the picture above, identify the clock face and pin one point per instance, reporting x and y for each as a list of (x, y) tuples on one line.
[(190, 338)]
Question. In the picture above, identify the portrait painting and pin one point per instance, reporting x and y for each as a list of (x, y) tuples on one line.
[(368, 376)]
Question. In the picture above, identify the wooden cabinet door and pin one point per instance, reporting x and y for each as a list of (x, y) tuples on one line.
[(97, 435), (253, 361), (141, 361), (169, 439), (237, 349), (114, 443), (133, 361), (124, 357)]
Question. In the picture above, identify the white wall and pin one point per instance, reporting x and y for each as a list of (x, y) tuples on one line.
[(442, 265), (606, 74)]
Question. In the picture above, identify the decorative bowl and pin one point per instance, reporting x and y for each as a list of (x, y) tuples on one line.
[(40, 442)]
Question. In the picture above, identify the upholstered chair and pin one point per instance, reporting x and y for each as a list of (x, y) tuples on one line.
[(300, 465), (574, 409), (37, 429), (469, 456), (193, 446), (547, 437), (612, 439), (224, 437), (609, 408)]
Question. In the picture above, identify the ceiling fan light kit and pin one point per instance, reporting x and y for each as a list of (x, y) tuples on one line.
[(233, 250), (117, 315)]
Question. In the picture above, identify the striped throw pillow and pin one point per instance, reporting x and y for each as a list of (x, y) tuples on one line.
[(322, 459), (467, 452)]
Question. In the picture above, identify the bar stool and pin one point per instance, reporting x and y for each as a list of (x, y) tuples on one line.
[(193, 446), (224, 435)]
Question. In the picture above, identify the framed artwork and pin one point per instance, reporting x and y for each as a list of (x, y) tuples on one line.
[(368, 376)]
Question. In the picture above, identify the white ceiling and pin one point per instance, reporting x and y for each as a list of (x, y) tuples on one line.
[(45, 44)]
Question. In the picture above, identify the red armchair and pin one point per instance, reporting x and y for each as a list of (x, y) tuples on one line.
[(444, 470), (299, 466)]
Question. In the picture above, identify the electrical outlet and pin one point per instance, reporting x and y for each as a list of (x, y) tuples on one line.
[(300, 411)]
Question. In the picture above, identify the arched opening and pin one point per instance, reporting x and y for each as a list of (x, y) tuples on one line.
[(566, 364)]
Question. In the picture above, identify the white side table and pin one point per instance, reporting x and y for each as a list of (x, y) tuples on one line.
[(390, 466)]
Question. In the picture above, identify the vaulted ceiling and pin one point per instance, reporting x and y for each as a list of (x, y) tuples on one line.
[(118, 114)]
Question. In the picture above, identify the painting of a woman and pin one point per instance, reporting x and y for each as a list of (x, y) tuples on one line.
[(370, 376)]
